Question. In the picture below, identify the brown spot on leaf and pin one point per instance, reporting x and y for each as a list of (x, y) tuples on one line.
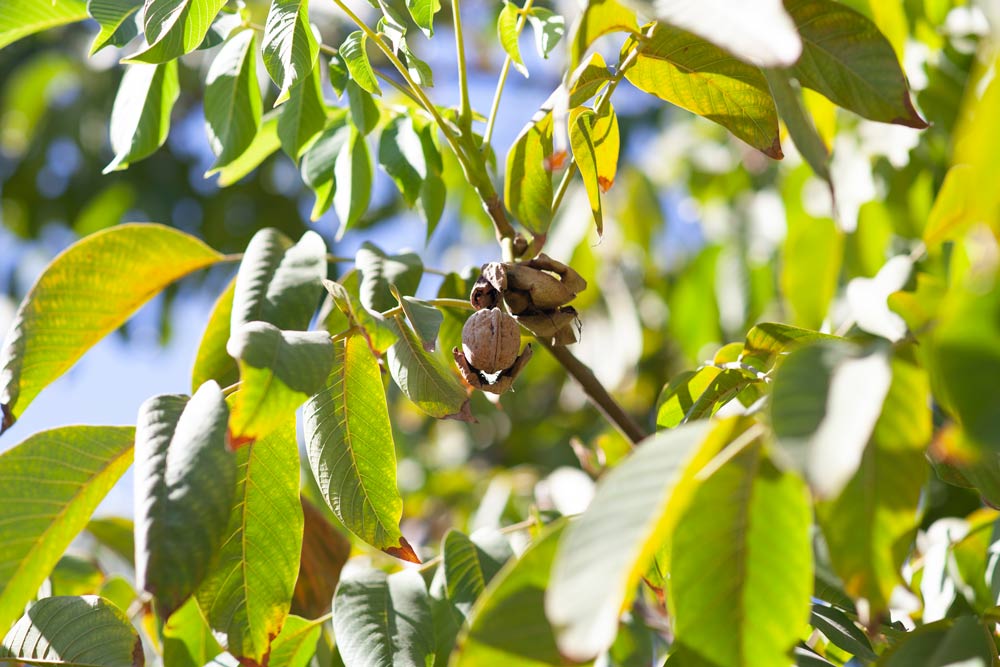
[(555, 161), (403, 552), (235, 442), (604, 183), (8, 418), (464, 414), (138, 656), (774, 150)]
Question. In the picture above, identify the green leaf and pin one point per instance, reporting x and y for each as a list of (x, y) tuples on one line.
[(423, 12), (595, 142), (696, 75), (187, 639), (296, 644), (698, 394), (185, 477), (85, 293), (140, 117), (232, 98), (799, 123), (353, 175), (379, 272), (614, 542), (401, 155), (847, 59), (302, 116), (507, 625), (528, 185), (289, 47), (325, 551), (549, 28), (433, 191), (964, 361), (73, 575), (175, 27), (20, 18), (353, 53), (279, 371), (47, 497), (976, 143), (279, 283), (85, 631), (364, 112), (425, 319), (812, 253), (319, 160), (116, 534), (842, 631), (869, 526), (741, 564), (507, 32), (418, 69), (264, 143), (962, 642), (246, 596), (351, 450), (423, 377), (587, 79), (469, 567), (760, 33), (953, 206), (825, 401), (767, 340), (383, 620), (376, 330), (115, 18), (599, 18), (212, 362), (29, 92)]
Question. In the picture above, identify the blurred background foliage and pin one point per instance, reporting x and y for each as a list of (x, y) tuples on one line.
[(703, 235)]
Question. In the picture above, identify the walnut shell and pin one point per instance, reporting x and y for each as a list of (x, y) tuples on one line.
[(491, 340)]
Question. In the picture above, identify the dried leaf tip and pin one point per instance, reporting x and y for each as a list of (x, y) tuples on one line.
[(403, 552)]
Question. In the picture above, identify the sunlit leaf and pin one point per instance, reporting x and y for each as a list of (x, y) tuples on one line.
[(353, 175), (364, 112), (799, 123), (383, 620), (351, 450), (423, 12), (767, 340), (114, 17), (212, 361), (246, 596), (187, 639), (549, 28), (302, 116), (379, 272), (140, 118), (264, 143), (952, 211), (599, 18), (296, 644), (507, 625), (20, 18), (175, 27), (425, 319), (741, 564), (528, 184), (685, 70), (469, 565), (698, 394), (508, 33), (847, 59), (185, 478), (47, 497), (812, 254), (614, 542), (595, 142), (84, 294), (424, 379), (841, 631), (963, 641), (354, 55), (867, 526), (116, 534), (289, 47), (278, 282), (279, 371), (401, 155), (85, 631), (232, 98)]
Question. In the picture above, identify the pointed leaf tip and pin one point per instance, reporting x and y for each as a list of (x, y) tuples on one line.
[(403, 552), (464, 414), (235, 442)]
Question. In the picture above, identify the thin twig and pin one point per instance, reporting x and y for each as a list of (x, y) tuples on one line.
[(465, 106), (502, 80), (596, 392)]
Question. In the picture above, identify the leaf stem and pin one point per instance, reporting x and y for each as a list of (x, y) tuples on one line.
[(596, 392), (465, 106), (502, 80), (460, 304)]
